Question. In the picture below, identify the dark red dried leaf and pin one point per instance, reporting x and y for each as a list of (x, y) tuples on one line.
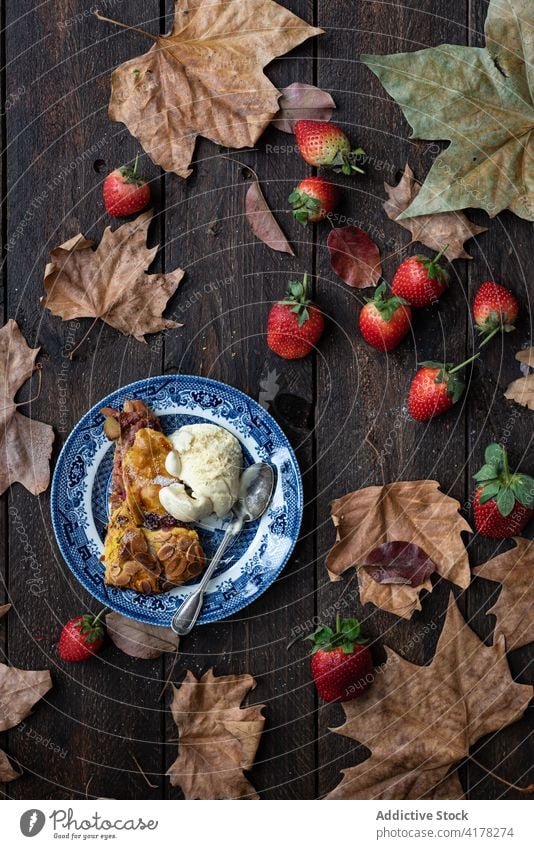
[(399, 563), (354, 257)]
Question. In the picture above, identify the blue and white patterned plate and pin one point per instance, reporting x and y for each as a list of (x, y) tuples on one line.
[(82, 480)]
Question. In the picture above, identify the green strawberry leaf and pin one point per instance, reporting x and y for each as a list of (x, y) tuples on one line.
[(505, 501), (494, 455), (489, 491), (523, 489), (486, 473), (351, 628)]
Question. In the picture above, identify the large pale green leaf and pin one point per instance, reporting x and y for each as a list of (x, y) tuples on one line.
[(482, 101)]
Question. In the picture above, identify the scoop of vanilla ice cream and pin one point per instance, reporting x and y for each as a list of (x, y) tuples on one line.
[(207, 460)]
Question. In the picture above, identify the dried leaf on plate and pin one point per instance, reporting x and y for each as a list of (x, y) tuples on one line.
[(409, 511), (262, 221), (514, 570), (300, 101), (419, 721), (111, 282), (354, 257), (25, 444), (522, 390), (434, 231), (19, 690), (205, 78), (218, 738), (137, 639)]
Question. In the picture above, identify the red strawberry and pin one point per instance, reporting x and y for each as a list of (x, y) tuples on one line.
[(435, 388), (125, 192), (421, 280), (504, 502), (342, 664), (384, 320), (323, 144), (314, 199), (81, 637), (495, 310), (295, 325)]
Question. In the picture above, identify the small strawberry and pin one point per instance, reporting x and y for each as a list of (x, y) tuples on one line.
[(324, 144), (385, 320), (295, 324), (495, 310), (421, 280), (314, 199), (81, 637), (504, 501), (435, 388), (125, 192), (342, 664)]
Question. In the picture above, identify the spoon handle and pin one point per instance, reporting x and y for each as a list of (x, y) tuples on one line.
[(187, 614)]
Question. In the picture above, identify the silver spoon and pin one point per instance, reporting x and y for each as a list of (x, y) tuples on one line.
[(255, 493)]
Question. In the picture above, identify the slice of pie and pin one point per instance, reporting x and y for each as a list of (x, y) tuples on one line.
[(146, 549)]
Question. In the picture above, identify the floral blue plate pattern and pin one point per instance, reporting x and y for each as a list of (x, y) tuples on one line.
[(82, 480)]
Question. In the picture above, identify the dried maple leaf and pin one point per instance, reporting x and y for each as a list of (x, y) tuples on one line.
[(111, 282), (262, 221), (522, 390), (407, 511), (354, 257), (205, 78), (218, 738), (482, 101), (138, 639), (515, 571), (300, 101), (420, 721), (19, 690), (434, 231), (25, 444)]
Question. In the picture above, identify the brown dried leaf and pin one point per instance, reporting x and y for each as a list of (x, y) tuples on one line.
[(419, 721), (206, 78), (522, 390), (300, 101), (25, 444), (4, 609), (262, 222), (411, 511), (110, 282), (515, 571), (434, 231), (218, 738), (19, 690), (137, 639), (354, 257)]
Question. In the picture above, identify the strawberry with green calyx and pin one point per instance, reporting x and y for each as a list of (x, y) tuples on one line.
[(421, 280), (295, 324), (385, 320), (436, 388), (341, 664), (125, 192), (313, 199), (504, 501), (81, 637), (323, 144), (495, 310)]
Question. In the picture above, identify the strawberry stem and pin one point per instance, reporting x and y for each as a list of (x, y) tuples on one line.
[(134, 170), (464, 364), (125, 26), (440, 254), (490, 335), (338, 622), (99, 615)]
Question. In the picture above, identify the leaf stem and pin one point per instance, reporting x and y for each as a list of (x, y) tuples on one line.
[(84, 337), (125, 26), (38, 368), (526, 790)]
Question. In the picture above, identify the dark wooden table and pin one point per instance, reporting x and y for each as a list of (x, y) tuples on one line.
[(338, 408)]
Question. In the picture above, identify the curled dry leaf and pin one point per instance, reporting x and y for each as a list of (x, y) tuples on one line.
[(218, 738), (434, 231), (206, 78), (354, 257), (262, 221), (399, 563), (19, 690), (522, 390), (111, 282), (419, 721), (138, 639), (300, 101), (412, 511), (25, 444), (514, 570)]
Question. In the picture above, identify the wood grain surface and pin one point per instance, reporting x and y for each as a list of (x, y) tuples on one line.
[(104, 730)]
